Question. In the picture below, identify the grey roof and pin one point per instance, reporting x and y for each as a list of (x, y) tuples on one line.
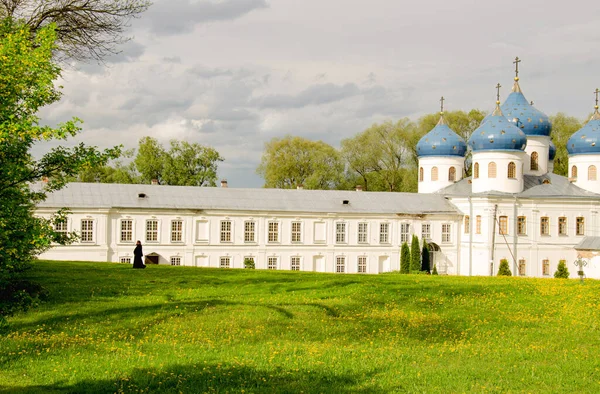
[(556, 186), (588, 243), (105, 195)]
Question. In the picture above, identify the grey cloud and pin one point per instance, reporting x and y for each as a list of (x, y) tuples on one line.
[(314, 95), (208, 73), (128, 52), (172, 59), (170, 17)]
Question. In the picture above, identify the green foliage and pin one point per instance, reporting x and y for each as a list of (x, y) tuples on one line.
[(504, 269), (562, 271), (435, 271), (190, 165), (425, 267), (27, 84), (415, 254), (404, 258), (563, 127), (292, 161), (249, 264)]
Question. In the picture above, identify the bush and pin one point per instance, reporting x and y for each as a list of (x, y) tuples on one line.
[(562, 271), (434, 272), (249, 264), (405, 259), (504, 269), (425, 258), (415, 254)]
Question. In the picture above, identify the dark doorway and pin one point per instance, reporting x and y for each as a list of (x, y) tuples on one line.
[(152, 258)]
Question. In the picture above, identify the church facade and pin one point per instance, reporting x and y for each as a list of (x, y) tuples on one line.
[(512, 207)]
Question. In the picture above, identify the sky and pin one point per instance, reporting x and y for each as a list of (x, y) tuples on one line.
[(233, 74)]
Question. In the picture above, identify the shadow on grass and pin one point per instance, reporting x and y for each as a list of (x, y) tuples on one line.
[(216, 378)]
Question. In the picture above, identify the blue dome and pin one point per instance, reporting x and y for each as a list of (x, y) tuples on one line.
[(441, 141), (552, 153), (587, 140), (497, 133)]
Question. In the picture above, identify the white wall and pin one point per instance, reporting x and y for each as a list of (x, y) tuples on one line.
[(443, 165)]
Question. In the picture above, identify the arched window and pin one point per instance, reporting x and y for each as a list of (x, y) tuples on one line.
[(434, 173), (492, 170), (421, 174), (574, 172), (512, 170), (592, 174), (476, 170), (452, 174), (534, 161)]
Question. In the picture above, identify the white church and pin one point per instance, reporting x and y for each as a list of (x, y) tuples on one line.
[(513, 207)]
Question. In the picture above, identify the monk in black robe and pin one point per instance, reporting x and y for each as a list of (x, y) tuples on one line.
[(137, 256)]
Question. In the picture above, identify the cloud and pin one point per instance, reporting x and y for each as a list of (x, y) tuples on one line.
[(314, 95), (171, 17)]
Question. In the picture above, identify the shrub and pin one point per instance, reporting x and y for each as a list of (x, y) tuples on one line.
[(405, 259), (504, 269), (434, 272), (249, 264), (415, 254), (562, 271), (425, 258)]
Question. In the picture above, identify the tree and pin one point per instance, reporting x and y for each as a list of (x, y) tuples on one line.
[(27, 78), (562, 271), (188, 164), (292, 161), (425, 258), (415, 254), (249, 263), (504, 269), (435, 271), (563, 127), (150, 160), (85, 29), (404, 259)]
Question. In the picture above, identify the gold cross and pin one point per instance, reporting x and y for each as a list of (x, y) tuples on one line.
[(442, 105), (516, 63), (498, 92), (597, 91)]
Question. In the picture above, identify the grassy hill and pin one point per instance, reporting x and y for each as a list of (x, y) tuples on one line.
[(109, 328)]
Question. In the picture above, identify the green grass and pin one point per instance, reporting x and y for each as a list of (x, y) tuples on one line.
[(109, 328)]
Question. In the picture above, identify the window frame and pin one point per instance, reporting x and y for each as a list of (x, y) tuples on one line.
[(446, 233), (544, 225), (295, 262), (521, 225), (426, 235), (176, 235), (341, 233), (592, 173), (296, 233), (340, 264), (272, 263), (503, 225), (512, 170), (361, 264), (126, 231), (467, 224), (273, 231), (452, 174), (225, 231), (534, 162), (478, 224), (546, 267), (562, 225), (522, 267), (88, 231), (362, 237), (434, 173), (580, 225), (154, 231), (384, 236), (404, 232), (476, 170), (492, 170), (226, 260), (250, 231), (175, 260)]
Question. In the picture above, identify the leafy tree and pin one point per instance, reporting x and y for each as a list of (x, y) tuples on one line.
[(150, 160), (563, 127), (249, 263), (562, 271), (188, 164), (118, 172), (425, 258), (504, 269), (404, 259), (85, 29), (291, 161), (415, 254), (27, 79)]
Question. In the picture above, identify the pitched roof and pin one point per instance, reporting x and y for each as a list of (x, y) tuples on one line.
[(106, 195), (588, 243)]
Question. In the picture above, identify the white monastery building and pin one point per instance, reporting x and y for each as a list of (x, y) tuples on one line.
[(513, 207)]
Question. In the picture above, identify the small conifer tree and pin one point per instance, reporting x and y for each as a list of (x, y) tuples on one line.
[(425, 258), (434, 272), (504, 269), (562, 271), (249, 263), (405, 259), (415, 254)]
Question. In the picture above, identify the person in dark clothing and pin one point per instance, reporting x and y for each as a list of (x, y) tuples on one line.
[(137, 256)]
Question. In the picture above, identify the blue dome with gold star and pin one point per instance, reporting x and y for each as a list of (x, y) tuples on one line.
[(441, 141), (496, 133), (524, 115), (586, 141)]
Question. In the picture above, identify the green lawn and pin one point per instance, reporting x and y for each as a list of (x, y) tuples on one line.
[(109, 328)]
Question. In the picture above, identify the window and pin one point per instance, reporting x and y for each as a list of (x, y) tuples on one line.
[(340, 233), (362, 264), (384, 233), (492, 170), (175, 260), (522, 267), (476, 170), (340, 264), (562, 225), (478, 224), (60, 227), (580, 227), (546, 267), (176, 231), (272, 263), (592, 173), (512, 170), (225, 262), (87, 230), (574, 172), (521, 225), (273, 231), (127, 230), (226, 231), (421, 174), (126, 260), (467, 224), (296, 232), (249, 231), (404, 232), (534, 161), (426, 231), (446, 237), (363, 233), (544, 225), (452, 174), (434, 173), (151, 230), (295, 263), (503, 225)]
